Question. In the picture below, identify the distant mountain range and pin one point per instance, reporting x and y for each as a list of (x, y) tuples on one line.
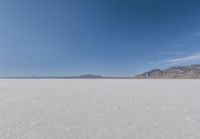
[(179, 72), (85, 76), (89, 76)]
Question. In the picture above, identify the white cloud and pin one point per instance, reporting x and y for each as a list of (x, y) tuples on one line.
[(179, 61), (196, 33), (190, 59)]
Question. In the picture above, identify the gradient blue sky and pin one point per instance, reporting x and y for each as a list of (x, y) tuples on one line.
[(106, 37)]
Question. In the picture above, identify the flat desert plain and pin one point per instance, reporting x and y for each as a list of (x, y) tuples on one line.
[(99, 109)]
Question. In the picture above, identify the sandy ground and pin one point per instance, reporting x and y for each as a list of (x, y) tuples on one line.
[(99, 109)]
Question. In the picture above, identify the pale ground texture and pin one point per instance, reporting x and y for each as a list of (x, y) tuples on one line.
[(100, 109)]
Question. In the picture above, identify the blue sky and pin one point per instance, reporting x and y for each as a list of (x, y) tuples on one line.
[(106, 37)]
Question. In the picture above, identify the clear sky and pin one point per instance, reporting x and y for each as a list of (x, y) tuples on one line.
[(106, 37)]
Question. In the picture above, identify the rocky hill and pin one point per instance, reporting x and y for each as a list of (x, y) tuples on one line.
[(179, 72), (89, 76)]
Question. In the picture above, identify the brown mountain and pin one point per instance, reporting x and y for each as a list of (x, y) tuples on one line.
[(179, 72)]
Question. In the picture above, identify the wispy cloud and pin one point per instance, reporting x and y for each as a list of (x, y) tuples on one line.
[(193, 58), (171, 53), (190, 59), (195, 34)]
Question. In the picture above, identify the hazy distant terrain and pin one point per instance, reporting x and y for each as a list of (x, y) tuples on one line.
[(99, 109), (180, 72)]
